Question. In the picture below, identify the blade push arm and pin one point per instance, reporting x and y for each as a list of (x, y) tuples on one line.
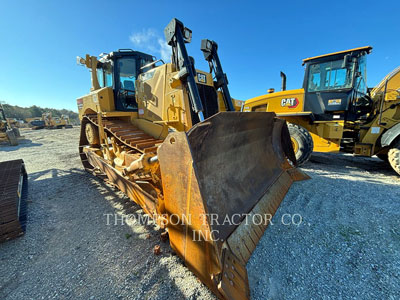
[(91, 63), (177, 35), (209, 49)]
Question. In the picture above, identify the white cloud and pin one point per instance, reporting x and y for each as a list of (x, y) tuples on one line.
[(165, 50), (150, 41), (143, 37)]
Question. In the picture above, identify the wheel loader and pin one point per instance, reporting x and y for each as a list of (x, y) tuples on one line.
[(8, 133), (335, 111), (168, 136)]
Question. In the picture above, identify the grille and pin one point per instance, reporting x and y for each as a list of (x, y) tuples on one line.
[(209, 100)]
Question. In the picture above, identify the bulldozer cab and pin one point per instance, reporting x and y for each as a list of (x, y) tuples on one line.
[(119, 70), (335, 85)]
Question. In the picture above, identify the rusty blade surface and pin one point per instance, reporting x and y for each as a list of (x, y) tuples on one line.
[(237, 157), (231, 165)]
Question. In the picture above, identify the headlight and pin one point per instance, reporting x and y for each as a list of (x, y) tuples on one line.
[(187, 34)]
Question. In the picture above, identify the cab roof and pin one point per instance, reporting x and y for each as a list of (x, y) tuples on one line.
[(124, 52), (360, 49)]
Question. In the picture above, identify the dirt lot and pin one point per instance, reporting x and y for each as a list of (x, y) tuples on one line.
[(344, 241)]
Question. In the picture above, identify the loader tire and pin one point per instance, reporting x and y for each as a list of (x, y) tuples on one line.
[(92, 134), (394, 157), (302, 142)]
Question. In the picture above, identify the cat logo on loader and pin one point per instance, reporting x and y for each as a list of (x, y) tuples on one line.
[(289, 102)]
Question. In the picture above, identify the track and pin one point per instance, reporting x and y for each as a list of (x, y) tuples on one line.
[(129, 135), (13, 195)]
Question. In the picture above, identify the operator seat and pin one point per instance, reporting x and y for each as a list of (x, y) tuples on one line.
[(128, 100), (129, 85)]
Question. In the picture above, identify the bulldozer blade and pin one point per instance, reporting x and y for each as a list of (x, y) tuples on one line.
[(12, 138), (218, 179)]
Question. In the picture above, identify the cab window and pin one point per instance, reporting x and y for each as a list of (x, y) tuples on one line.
[(126, 74), (361, 79), (330, 76), (108, 76), (100, 77)]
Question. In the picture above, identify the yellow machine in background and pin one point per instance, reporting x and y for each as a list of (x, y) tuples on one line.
[(155, 131), (13, 122), (49, 122), (55, 122), (66, 121), (35, 123), (334, 110), (8, 133)]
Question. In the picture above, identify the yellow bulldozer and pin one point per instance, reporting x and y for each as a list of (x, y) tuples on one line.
[(66, 121), (8, 133), (168, 136), (335, 111), (51, 122)]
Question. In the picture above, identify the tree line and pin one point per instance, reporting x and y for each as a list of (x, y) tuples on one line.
[(22, 113)]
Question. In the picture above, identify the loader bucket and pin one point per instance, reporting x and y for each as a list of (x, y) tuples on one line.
[(220, 180)]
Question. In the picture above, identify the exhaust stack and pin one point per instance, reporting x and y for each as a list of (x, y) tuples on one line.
[(283, 76)]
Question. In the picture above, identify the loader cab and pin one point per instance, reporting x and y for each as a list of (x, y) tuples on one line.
[(119, 70), (335, 85)]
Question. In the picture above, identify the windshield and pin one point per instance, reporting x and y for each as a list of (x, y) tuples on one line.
[(330, 76), (127, 73), (127, 68)]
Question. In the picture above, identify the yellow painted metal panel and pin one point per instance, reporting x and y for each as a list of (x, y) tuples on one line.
[(290, 101)]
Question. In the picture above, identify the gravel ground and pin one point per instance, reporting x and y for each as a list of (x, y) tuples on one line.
[(346, 246)]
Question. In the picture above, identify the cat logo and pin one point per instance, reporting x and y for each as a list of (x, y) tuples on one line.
[(289, 102)]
